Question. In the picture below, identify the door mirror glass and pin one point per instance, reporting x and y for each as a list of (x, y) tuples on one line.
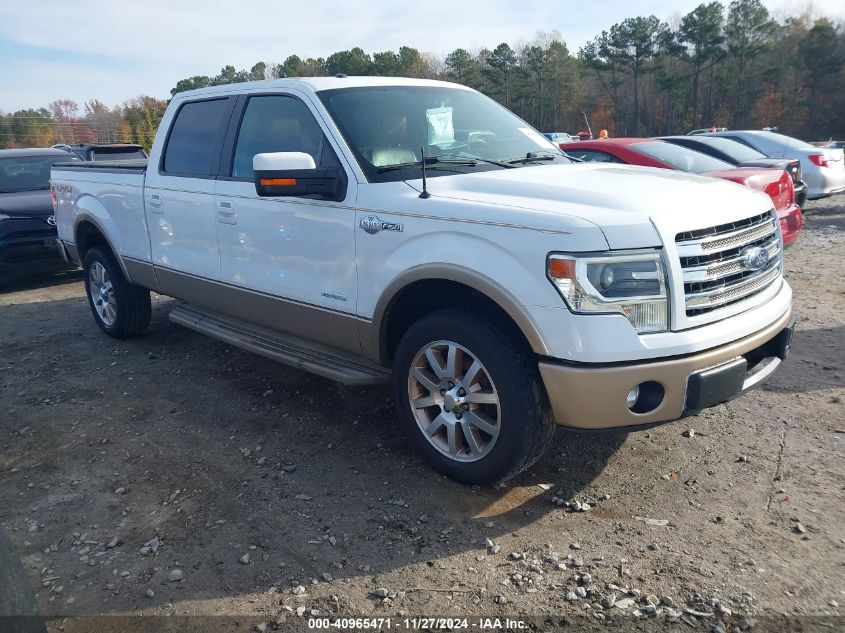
[(292, 174)]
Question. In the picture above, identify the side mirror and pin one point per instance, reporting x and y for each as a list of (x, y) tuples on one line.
[(292, 174)]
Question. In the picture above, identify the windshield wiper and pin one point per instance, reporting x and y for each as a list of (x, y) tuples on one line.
[(431, 162), (532, 157), (480, 160)]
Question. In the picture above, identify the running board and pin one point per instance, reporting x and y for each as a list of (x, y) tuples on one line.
[(313, 357)]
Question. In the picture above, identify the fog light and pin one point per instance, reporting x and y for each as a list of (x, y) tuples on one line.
[(632, 397)]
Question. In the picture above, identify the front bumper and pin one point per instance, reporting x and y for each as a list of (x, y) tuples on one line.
[(25, 239), (594, 397)]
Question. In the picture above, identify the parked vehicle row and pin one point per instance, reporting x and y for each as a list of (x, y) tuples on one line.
[(375, 229), (742, 155), (777, 183), (822, 168), (817, 169)]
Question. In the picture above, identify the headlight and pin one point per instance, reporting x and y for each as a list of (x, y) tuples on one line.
[(633, 284)]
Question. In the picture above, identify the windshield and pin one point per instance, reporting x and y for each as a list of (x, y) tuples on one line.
[(391, 125), (736, 150), (681, 158), (28, 173)]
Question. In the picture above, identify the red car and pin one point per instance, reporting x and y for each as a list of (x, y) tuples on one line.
[(655, 153)]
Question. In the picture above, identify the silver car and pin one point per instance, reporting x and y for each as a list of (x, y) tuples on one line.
[(823, 169)]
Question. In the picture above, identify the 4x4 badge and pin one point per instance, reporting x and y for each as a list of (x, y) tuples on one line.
[(372, 225)]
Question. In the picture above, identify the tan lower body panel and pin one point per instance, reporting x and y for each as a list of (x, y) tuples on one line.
[(141, 273), (594, 398), (296, 319)]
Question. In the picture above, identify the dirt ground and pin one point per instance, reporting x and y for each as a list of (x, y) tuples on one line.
[(278, 495)]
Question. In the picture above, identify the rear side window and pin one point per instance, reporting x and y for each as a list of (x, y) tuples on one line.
[(593, 156), (193, 137)]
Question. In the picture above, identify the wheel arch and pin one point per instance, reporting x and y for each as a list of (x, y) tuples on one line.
[(426, 288), (88, 232)]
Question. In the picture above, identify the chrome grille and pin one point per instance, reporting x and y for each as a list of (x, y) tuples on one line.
[(712, 262)]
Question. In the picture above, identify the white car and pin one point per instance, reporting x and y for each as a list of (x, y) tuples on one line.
[(823, 169), (375, 229)]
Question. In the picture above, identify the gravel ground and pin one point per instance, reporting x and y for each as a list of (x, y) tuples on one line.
[(172, 475)]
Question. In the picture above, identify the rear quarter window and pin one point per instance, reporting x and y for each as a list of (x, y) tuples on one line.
[(193, 138)]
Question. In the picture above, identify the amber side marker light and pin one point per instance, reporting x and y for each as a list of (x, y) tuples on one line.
[(278, 182), (561, 268)]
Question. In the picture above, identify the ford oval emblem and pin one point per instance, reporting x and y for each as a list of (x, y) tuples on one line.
[(755, 258)]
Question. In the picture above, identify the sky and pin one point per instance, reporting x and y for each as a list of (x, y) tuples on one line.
[(112, 51)]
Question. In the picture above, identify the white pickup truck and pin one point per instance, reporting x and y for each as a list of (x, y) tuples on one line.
[(415, 232)]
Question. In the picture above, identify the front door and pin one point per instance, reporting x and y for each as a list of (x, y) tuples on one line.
[(299, 252)]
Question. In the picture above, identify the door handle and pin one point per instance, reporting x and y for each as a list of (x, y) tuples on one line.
[(226, 213), (155, 203)]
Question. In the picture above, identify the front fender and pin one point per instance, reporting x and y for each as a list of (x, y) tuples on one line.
[(511, 272)]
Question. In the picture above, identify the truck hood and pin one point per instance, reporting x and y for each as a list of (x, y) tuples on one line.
[(635, 207), (26, 203)]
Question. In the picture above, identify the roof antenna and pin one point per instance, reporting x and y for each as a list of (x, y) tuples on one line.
[(589, 129), (425, 194)]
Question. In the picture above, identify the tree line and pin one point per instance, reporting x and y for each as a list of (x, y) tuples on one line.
[(727, 65)]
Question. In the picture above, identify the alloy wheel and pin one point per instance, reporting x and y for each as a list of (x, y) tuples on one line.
[(454, 401)]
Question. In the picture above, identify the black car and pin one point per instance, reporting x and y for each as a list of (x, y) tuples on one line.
[(27, 223), (106, 151), (741, 155)]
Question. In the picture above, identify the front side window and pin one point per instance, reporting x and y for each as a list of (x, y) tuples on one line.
[(389, 127), (680, 158), (276, 123), (29, 173), (193, 137)]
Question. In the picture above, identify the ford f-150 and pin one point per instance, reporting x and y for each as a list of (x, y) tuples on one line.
[(416, 232)]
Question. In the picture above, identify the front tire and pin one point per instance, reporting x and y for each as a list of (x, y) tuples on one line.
[(470, 398), (120, 308)]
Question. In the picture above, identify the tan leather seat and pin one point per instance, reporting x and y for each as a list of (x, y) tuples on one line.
[(384, 156)]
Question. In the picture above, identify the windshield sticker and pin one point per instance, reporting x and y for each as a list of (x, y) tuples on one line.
[(441, 129)]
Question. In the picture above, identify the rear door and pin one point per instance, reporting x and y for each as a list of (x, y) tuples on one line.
[(179, 193)]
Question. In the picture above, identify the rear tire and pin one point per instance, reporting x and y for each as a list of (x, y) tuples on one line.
[(120, 308), (470, 398)]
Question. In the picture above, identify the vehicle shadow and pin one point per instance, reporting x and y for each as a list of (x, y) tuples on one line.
[(216, 451), (37, 274), (813, 363)]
